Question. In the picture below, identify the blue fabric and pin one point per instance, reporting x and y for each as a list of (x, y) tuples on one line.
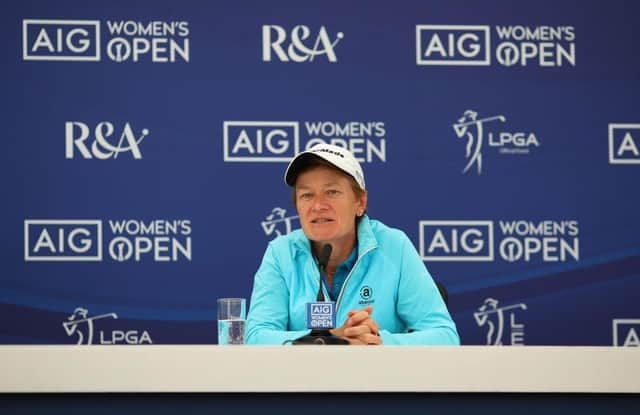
[(341, 274), (388, 274)]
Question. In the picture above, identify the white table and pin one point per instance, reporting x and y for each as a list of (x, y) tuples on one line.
[(202, 368)]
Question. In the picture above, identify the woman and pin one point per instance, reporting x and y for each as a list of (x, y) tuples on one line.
[(383, 292)]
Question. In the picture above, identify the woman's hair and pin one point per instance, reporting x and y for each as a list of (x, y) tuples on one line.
[(318, 162)]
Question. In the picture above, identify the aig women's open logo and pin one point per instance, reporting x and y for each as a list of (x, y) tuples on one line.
[(514, 241), (624, 143), (626, 332), (127, 240), (461, 45), (126, 40), (279, 141)]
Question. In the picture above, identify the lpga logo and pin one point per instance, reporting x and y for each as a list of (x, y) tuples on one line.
[(464, 129), (80, 318), (277, 223), (492, 316), (472, 128), (80, 324)]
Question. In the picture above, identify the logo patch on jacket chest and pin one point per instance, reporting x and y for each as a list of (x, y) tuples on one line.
[(366, 295)]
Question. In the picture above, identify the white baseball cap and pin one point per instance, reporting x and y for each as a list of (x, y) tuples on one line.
[(338, 156)]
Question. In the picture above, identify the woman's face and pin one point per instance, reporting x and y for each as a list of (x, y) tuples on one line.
[(328, 206)]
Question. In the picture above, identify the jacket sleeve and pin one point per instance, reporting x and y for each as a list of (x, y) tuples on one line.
[(268, 317), (420, 305)]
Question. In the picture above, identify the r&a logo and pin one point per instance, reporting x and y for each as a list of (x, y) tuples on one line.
[(76, 133), (273, 38)]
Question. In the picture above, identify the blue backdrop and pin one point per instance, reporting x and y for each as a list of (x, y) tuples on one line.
[(145, 144)]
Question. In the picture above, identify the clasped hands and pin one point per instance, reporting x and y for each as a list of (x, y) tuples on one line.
[(359, 328)]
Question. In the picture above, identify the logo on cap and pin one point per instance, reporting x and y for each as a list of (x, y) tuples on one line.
[(327, 150)]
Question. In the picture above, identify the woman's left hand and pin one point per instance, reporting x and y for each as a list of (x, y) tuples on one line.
[(360, 328)]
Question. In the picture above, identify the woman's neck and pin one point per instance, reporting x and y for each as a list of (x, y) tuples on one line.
[(339, 254)]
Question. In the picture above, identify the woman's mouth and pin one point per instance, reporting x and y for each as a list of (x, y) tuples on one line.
[(319, 221)]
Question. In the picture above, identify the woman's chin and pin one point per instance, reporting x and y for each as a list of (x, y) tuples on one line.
[(320, 237)]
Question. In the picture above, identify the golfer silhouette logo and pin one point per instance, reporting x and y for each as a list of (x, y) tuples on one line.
[(80, 324), (276, 223), (464, 129), (492, 316)]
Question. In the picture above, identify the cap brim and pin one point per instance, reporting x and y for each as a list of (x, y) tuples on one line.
[(296, 165), (300, 162)]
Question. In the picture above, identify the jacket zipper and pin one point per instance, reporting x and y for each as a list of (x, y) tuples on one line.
[(349, 275)]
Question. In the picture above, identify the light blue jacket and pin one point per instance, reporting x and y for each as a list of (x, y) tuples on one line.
[(388, 275)]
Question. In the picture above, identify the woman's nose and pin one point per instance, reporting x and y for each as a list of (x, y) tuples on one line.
[(319, 203)]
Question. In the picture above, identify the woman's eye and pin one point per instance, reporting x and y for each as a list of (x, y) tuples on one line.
[(332, 193), (305, 196)]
